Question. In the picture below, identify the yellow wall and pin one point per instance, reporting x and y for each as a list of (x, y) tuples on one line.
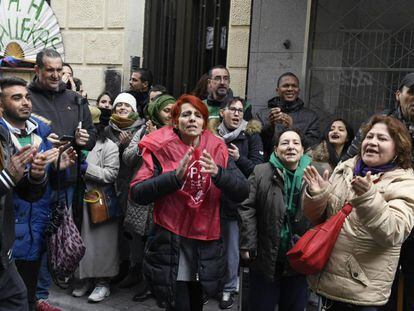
[(238, 44)]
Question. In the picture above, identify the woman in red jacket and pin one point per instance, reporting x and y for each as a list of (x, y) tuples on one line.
[(185, 171)]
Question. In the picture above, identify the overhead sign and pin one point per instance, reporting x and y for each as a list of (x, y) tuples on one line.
[(27, 27)]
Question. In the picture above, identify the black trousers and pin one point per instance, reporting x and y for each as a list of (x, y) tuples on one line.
[(188, 297), (13, 294), (29, 271)]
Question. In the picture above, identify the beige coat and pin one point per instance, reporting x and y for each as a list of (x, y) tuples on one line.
[(363, 262)]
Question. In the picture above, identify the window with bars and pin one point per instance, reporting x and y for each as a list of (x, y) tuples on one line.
[(360, 50)]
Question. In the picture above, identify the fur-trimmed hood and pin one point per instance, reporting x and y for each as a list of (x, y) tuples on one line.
[(319, 153), (253, 126)]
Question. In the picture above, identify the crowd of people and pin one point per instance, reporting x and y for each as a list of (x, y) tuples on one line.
[(200, 184)]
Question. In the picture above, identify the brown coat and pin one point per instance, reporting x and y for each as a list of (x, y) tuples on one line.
[(363, 262)]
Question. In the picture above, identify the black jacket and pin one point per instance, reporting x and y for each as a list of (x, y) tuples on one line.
[(262, 216), (250, 147), (304, 119), (61, 111), (25, 189), (162, 254)]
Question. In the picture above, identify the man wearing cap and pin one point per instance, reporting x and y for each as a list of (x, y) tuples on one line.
[(405, 113)]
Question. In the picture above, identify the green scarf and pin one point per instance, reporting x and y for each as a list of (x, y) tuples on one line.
[(156, 106), (291, 195)]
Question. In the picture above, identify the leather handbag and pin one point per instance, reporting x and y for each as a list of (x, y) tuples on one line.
[(312, 251), (102, 204)]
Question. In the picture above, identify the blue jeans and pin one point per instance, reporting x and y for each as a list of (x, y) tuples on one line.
[(290, 293), (230, 233), (45, 280)]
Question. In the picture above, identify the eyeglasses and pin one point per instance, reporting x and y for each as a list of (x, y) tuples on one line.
[(234, 110), (221, 78)]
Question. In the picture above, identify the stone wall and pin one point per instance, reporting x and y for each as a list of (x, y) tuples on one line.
[(238, 44), (274, 23), (100, 35)]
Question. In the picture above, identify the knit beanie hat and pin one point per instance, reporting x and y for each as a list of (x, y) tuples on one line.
[(155, 107), (128, 99)]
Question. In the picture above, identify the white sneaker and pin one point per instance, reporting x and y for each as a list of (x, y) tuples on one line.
[(82, 290), (99, 293)]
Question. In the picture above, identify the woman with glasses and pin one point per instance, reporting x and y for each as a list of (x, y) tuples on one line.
[(245, 146)]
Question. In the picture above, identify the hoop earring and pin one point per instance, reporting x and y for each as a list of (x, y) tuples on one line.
[(395, 158)]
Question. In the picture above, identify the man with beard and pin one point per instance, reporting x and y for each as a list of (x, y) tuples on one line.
[(140, 84), (23, 182), (287, 110), (219, 92), (404, 112)]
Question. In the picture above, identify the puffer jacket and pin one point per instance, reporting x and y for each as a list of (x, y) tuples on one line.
[(262, 216), (250, 147), (362, 265), (304, 119), (163, 250), (31, 218)]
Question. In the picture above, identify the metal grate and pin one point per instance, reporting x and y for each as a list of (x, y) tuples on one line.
[(361, 49), (183, 39)]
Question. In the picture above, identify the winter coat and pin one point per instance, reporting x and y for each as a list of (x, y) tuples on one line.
[(26, 188), (163, 251), (112, 131), (364, 260), (262, 216), (320, 158), (304, 119), (101, 258), (61, 111), (61, 108), (250, 147), (32, 218)]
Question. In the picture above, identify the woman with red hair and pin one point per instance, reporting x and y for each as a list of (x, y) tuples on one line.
[(185, 171)]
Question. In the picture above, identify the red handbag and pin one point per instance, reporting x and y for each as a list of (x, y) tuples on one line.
[(312, 251)]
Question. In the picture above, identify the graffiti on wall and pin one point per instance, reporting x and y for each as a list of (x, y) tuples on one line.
[(28, 26)]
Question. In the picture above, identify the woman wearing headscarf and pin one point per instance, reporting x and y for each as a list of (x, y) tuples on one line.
[(185, 171)]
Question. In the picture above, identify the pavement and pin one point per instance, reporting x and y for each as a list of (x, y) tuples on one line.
[(120, 299)]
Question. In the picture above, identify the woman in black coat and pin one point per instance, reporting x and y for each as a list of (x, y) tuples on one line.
[(185, 170)]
